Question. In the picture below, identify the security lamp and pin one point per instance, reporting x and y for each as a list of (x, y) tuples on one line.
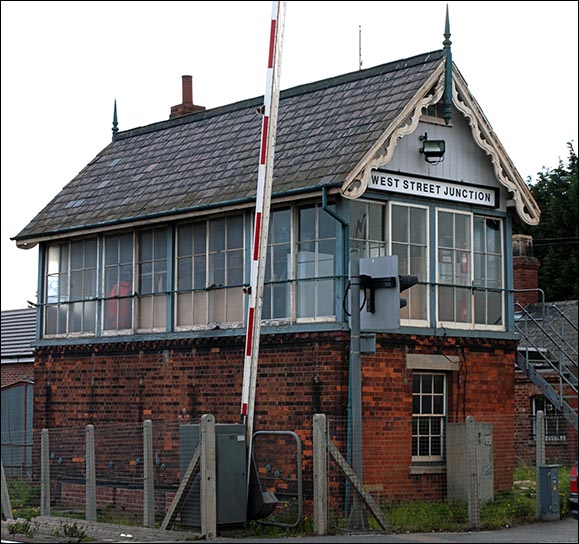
[(433, 150)]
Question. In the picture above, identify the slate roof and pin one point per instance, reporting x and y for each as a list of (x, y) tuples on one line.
[(209, 159), (18, 331)]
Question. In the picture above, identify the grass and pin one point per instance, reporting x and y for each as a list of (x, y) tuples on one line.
[(507, 509)]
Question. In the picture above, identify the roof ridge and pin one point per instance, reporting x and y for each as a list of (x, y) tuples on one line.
[(305, 88)]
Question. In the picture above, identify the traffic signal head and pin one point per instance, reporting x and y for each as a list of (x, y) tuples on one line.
[(405, 281)]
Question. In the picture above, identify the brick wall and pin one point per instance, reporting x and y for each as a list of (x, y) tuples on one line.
[(299, 375), (16, 372), (526, 276)]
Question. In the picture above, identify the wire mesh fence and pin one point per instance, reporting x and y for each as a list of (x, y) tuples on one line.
[(403, 461)]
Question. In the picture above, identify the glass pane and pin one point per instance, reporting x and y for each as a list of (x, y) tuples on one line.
[(462, 268), (200, 309), (217, 306), (145, 313), (436, 446), (62, 318), (326, 298), (306, 299), (281, 227), (89, 316), (463, 305), (217, 269), (146, 245), (480, 313), (438, 384), (235, 268), (76, 285), (400, 223), (281, 262), (376, 222), (427, 384), (326, 224), (146, 278), (235, 232), (401, 250), (445, 230), (417, 226), (111, 250), (159, 311), (426, 405), (418, 262), (423, 446), (415, 404), (53, 259), (75, 324), (281, 299), (160, 244), (234, 305), (199, 238), (184, 309), (435, 425), (76, 255), (199, 271), (217, 235), (438, 407), (494, 271), (184, 240), (51, 319), (307, 228), (495, 309), (494, 236), (90, 253), (126, 249), (416, 383), (479, 231), (446, 303), (462, 231), (89, 287), (358, 220), (414, 445), (423, 426), (185, 274)]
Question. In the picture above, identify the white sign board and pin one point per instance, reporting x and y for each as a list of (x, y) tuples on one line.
[(431, 188)]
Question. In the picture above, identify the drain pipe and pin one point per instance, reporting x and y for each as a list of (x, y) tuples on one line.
[(345, 268)]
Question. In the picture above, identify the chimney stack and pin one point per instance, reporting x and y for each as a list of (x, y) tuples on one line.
[(187, 105), (525, 269)]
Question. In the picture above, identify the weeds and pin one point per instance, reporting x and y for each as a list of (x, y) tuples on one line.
[(71, 531)]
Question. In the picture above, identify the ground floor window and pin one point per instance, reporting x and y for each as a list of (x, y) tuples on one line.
[(555, 424), (428, 416)]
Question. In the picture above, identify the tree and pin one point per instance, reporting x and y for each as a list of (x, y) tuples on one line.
[(555, 238)]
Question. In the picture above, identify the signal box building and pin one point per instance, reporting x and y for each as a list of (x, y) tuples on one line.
[(144, 263)]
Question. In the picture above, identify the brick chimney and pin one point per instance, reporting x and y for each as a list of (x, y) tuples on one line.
[(187, 106), (525, 269)]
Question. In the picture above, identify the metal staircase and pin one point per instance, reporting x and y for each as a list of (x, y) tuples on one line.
[(547, 354)]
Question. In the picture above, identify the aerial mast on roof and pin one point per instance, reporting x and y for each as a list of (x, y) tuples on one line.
[(262, 212)]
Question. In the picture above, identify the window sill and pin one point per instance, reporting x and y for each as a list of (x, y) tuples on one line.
[(415, 470)]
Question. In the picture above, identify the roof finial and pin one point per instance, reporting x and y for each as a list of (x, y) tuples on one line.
[(447, 99), (115, 122)]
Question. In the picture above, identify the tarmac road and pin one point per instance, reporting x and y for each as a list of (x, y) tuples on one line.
[(559, 531)]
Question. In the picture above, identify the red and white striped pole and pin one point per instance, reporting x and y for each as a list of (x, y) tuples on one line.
[(262, 213)]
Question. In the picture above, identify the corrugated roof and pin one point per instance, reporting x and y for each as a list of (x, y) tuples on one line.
[(209, 159), (18, 331)]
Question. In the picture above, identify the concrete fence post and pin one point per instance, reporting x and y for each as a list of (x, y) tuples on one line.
[(6, 507), (320, 460), (91, 508), (148, 476), (472, 464), (539, 457), (208, 478), (44, 473)]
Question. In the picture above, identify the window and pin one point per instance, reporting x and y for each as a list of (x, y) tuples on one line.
[(152, 279), (555, 424), (428, 416), (454, 267), (488, 271), (71, 287), (277, 288), (210, 272), (410, 243), (368, 228), (470, 270), (316, 263), (118, 282)]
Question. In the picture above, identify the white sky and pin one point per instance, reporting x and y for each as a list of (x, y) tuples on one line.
[(64, 63)]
